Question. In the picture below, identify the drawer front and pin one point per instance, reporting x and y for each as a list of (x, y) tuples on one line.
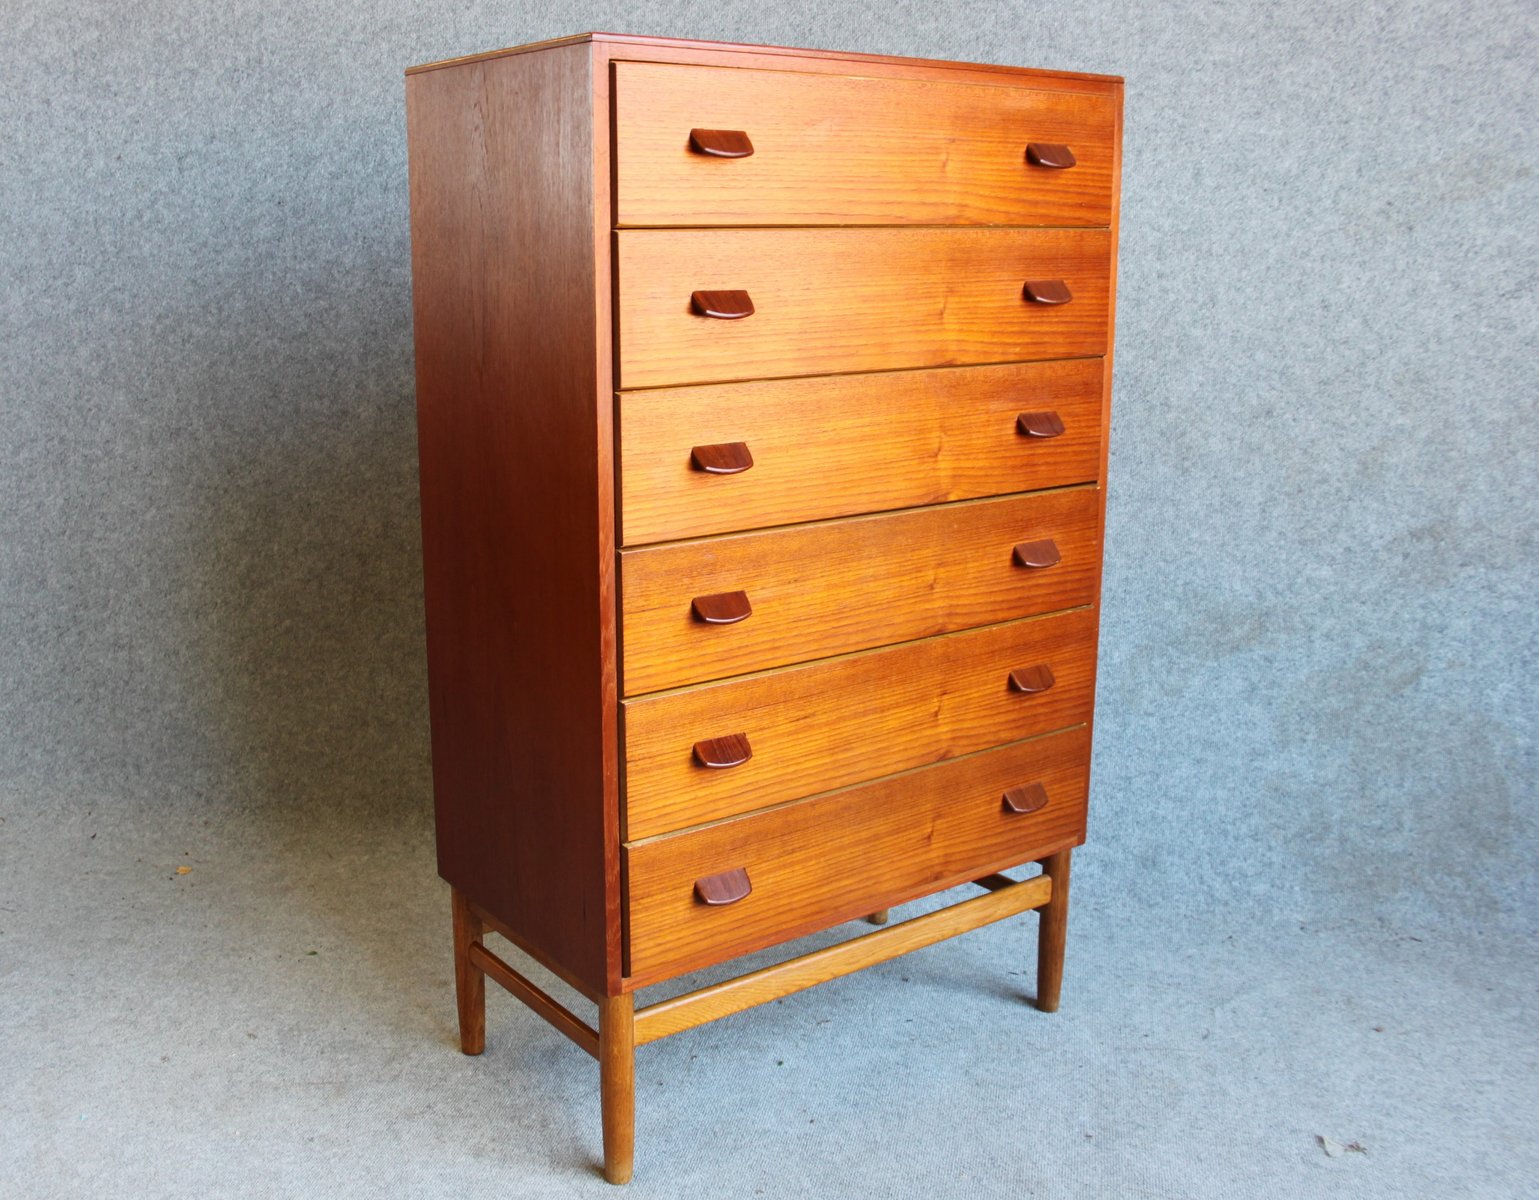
[(838, 445), (834, 150), (828, 859), (822, 589), (827, 300), (828, 724)]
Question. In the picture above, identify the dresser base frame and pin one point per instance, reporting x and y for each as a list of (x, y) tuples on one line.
[(622, 1027)]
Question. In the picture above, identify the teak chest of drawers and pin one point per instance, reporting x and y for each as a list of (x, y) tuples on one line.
[(763, 402)]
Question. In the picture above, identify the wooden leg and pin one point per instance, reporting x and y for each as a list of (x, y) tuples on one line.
[(1052, 926), (469, 982), (879, 917), (617, 1084)]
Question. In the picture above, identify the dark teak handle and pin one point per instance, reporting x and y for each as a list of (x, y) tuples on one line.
[(725, 888), (1049, 154), (724, 306), (1037, 554), (1047, 291), (730, 751), (723, 608), (724, 143), (1025, 799), (724, 458), (1039, 425), (1032, 679)]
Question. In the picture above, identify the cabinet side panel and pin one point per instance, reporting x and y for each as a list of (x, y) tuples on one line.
[(514, 507)]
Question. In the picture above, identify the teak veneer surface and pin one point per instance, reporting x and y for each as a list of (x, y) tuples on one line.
[(1007, 898), (832, 150), (836, 722), (615, 47), (850, 584), (832, 300), (814, 356), (834, 446), (518, 535), (839, 856)]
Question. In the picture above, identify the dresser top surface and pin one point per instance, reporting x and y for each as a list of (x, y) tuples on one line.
[(728, 49)]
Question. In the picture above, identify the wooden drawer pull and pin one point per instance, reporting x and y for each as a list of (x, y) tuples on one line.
[(734, 143), (726, 888), (728, 306), (1040, 291), (724, 458), (1039, 425), (730, 751), (1037, 554), (1024, 799), (1031, 679), (723, 608), (1050, 154)]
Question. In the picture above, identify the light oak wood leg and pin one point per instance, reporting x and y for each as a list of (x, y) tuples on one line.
[(1052, 926), (879, 917), (617, 1084), (469, 982)]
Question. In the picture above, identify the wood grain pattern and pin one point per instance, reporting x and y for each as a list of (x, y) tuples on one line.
[(512, 217), (492, 925), (606, 452), (1052, 932), (469, 981), (840, 721), (840, 856), (536, 998), (517, 525), (839, 445), (848, 150), (808, 970), (846, 585), (617, 1084), (833, 300), (645, 47)]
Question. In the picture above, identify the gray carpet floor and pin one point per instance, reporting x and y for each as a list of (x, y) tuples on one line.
[(278, 1021)]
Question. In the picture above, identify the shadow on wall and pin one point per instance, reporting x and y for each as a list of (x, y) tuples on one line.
[(307, 562), (301, 602)]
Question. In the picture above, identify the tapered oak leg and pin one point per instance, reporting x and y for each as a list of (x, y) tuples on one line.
[(469, 982), (879, 917), (1052, 926), (617, 1084)]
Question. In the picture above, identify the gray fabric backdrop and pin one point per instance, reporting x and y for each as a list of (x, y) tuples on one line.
[(1317, 695)]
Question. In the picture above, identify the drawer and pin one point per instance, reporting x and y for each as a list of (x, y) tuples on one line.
[(827, 300), (835, 586), (837, 445), (834, 150), (840, 721), (816, 862)]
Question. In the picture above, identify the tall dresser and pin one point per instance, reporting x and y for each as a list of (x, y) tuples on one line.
[(763, 402)]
